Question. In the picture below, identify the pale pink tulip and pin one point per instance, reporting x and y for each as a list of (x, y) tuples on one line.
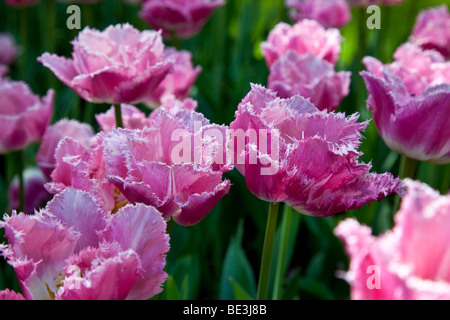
[(74, 250), (306, 36), (132, 118), (409, 262), (9, 50)]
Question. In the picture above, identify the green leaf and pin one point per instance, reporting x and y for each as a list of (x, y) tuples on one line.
[(239, 292)]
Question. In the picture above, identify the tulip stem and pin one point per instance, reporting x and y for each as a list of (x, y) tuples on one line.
[(282, 252), (407, 170), (266, 260), (118, 112)]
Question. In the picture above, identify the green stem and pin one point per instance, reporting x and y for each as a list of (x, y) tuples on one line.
[(264, 274), (174, 41), (407, 170), (118, 113), (445, 180), (20, 172), (23, 39), (282, 252)]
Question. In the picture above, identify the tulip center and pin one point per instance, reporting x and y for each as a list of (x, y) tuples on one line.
[(119, 201)]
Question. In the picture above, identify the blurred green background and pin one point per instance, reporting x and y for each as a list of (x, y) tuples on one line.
[(219, 257)]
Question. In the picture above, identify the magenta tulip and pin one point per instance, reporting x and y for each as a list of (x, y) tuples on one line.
[(329, 13), (304, 157), (182, 18), (409, 262)]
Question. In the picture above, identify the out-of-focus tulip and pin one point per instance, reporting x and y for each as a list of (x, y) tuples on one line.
[(132, 118), (117, 65), (310, 77), (9, 50), (182, 18), (24, 115), (306, 36), (409, 262), (329, 13), (294, 153), (21, 3)]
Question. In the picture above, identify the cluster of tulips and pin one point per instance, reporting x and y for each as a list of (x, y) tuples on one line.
[(93, 219)]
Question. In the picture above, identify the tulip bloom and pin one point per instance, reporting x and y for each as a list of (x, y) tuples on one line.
[(310, 77), (329, 13), (21, 3), (313, 155), (117, 65), (178, 81), (431, 30), (411, 111), (8, 49), (306, 36), (409, 262), (182, 18), (132, 118), (74, 250), (45, 157), (24, 115), (170, 164), (35, 193)]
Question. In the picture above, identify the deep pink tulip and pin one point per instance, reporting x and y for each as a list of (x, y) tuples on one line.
[(132, 118), (45, 157), (409, 262), (306, 36), (183, 18), (410, 103), (366, 3), (21, 3), (431, 30), (117, 65), (329, 13), (179, 80), (74, 250), (24, 116), (308, 159), (35, 193), (310, 77), (173, 164), (9, 50)]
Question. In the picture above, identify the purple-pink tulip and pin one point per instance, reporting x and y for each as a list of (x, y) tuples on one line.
[(310, 77), (431, 30), (45, 156), (118, 65), (179, 80), (8, 49), (306, 36), (329, 13), (409, 262), (74, 250), (366, 3), (307, 158), (24, 115), (21, 3), (181, 18), (410, 103), (172, 164), (35, 193)]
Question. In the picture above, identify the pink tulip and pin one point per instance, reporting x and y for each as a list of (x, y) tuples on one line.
[(410, 103), (3, 70), (24, 115), (74, 250), (183, 18), (366, 3), (431, 30), (329, 13), (172, 105), (45, 157), (10, 295), (178, 82), (21, 3), (171, 164), (309, 160), (117, 65), (409, 262), (132, 118), (35, 193), (310, 77), (306, 36), (8, 49)]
